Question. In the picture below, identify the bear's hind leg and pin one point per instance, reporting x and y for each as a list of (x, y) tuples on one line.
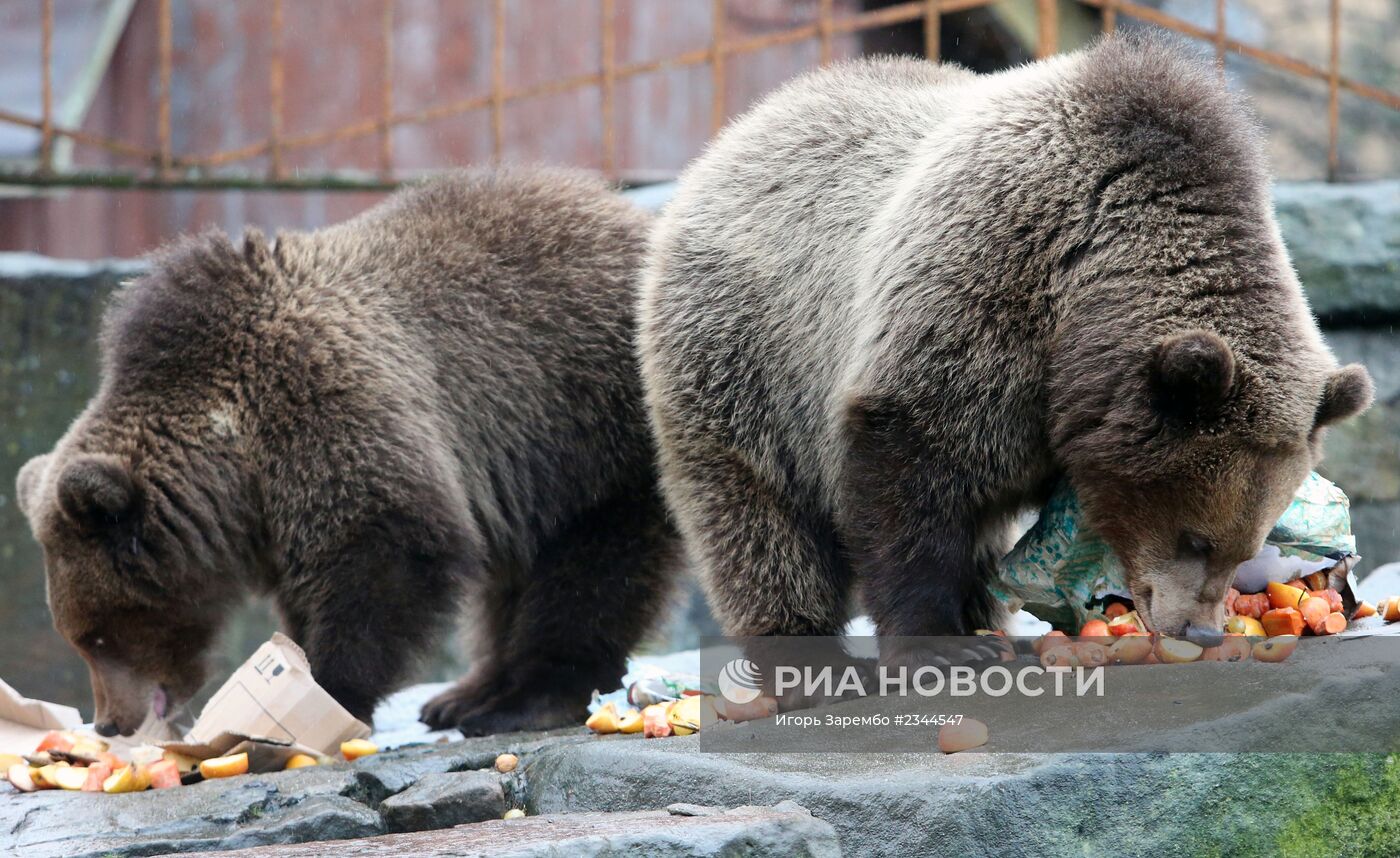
[(590, 596), (494, 603)]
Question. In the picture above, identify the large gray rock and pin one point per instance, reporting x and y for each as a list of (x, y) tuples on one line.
[(785, 830), (1309, 803), (1345, 243), (445, 799)]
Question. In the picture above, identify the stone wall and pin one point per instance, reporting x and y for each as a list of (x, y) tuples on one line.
[(1345, 241)]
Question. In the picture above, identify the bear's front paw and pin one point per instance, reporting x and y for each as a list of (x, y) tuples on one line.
[(940, 652)]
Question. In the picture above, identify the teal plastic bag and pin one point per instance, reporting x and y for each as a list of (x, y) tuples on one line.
[(1060, 566)]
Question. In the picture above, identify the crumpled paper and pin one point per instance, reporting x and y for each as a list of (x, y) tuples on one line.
[(1060, 566)]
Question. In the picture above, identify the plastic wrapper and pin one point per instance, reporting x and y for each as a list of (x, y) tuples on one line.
[(1060, 568)]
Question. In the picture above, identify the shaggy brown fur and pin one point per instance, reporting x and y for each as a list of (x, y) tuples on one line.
[(894, 301), (369, 421)]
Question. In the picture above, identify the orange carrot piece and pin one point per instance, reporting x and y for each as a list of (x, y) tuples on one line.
[(1282, 621), (1364, 610), (1334, 624), (1315, 610)]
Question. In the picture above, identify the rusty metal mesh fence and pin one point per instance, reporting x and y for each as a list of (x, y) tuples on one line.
[(166, 168)]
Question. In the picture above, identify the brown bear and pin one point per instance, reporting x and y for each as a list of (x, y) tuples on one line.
[(433, 403), (891, 304)]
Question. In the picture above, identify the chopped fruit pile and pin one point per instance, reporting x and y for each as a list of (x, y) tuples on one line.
[(677, 717), (72, 761)]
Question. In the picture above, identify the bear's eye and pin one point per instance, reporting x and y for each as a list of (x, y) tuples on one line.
[(1193, 546)]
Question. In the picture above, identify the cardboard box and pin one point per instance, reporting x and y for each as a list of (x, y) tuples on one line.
[(23, 722), (272, 708)]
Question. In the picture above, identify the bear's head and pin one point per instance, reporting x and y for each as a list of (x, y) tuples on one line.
[(119, 586), (1191, 461)]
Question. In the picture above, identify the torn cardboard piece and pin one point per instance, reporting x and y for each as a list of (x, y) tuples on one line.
[(23, 722), (271, 708)]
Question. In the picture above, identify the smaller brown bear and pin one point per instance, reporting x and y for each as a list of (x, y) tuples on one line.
[(436, 399)]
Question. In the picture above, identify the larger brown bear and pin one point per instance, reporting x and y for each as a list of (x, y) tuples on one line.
[(894, 301), (433, 402)]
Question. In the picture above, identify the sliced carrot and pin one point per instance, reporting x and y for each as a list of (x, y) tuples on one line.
[(1315, 610), (1252, 605), (1390, 609), (1334, 624), (1364, 610), (1332, 596), (1282, 621)]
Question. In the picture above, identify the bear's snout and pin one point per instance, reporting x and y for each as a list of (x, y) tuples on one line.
[(1203, 636)]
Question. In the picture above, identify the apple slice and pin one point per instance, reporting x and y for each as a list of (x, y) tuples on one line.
[(21, 777), (1130, 649), (45, 777), (604, 721), (234, 764), (1059, 658), (356, 748), (630, 722), (1233, 648), (70, 777), (1127, 624), (1275, 649), (1242, 625), (56, 740), (1176, 651), (1284, 596), (122, 780)]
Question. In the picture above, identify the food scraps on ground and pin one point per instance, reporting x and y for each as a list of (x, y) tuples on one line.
[(224, 767), (356, 748), (506, 763), (1275, 649), (300, 761), (514, 813), (966, 734)]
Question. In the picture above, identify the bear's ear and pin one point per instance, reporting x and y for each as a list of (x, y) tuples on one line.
[(1347, 393), (96, 490), (1192, 374), (27, 483)]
